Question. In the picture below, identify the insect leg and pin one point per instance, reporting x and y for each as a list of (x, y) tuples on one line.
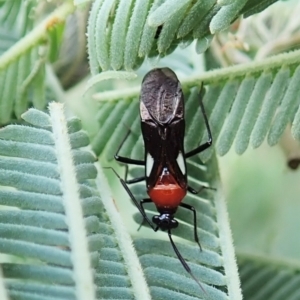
[(141, 210), (209, 142), (134, 180), (142, 202), (193, 210), (195, 192), (183, 262), (127, 160)]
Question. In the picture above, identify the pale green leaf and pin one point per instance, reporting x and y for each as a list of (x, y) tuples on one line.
[(290, 103), (166, 11), (227, 14), (118, 35), (134, 33)]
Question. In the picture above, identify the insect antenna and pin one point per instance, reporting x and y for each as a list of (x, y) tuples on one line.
[(184, 263), (196, 192)]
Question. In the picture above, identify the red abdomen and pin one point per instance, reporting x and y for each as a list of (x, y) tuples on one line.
[(166, 193)]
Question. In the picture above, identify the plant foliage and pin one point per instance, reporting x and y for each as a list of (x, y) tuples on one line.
[(60, 229), (265, 278), (68, 230), (245, 105), (122, 33), (23, 66)]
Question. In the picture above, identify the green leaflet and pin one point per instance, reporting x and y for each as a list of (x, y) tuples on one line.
[(237, 112), (118, 35), (227, 14), (286, 112), (269, 107), (251, 112), (133, 37)]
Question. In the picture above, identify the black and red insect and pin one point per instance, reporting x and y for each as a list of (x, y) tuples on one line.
[(163, 129)]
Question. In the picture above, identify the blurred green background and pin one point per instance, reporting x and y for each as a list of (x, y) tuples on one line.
[(263, 197)]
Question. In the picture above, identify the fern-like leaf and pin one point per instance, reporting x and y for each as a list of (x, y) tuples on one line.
[(246, 104), (122, 33), (23, 65), (53, 223), (265, 278)]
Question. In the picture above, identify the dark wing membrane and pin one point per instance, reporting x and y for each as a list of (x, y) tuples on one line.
[(165, 151), (161, 97), (153, 147)]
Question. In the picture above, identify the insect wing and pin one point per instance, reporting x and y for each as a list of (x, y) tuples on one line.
[(161, 99)]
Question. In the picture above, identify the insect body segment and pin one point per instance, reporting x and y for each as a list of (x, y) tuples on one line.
[(166, 194)]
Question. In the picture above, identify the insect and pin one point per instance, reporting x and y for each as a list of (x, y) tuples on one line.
[(163, 129)]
